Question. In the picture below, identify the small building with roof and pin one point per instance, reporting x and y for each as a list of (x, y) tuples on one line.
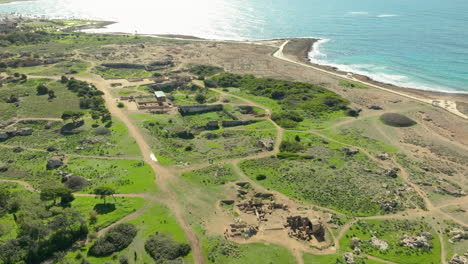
[(160, 96)]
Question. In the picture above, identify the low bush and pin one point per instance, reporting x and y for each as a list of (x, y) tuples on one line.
[(163, 248), (116, 239), (205, 70), (291, 146), (102, 131)]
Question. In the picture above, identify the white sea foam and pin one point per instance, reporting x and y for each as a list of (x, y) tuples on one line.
[(315, 52), (358, 13), (387, 15)]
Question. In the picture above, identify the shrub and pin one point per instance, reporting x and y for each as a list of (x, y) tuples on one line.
[(102, 131), (75, 183), (41, 89), (291, 146), (200, 98), (205, 70), (162, 248), (261, 177), (397, 120), (352, 112), (120, 105), (116, 239)]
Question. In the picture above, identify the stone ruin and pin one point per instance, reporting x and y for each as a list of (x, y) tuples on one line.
[(302, 228), (272, 215), (349, 258), (241, 230), (459, 259), (457, 234), (260, 208), (415, 242)]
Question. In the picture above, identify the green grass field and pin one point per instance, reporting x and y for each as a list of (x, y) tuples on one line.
[(57, 69), (391, 231), (218, 250), (154, 218), (84, 141), (32, 105), (111, 73), (126, 176), (322, 173), (207, 144), (212, 176), (109, 213)]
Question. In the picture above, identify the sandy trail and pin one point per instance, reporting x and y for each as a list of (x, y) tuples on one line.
[(162, 173)]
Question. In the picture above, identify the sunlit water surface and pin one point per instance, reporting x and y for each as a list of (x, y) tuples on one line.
[(414, 43)]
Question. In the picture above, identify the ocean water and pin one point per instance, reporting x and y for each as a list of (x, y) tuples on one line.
[(411, 43)]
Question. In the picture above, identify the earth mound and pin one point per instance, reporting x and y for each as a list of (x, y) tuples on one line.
[(397, 120)]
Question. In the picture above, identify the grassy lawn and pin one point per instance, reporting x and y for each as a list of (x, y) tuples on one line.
[(392, 231), (32, 105), (187, 97), (84, 140), (154, 218), (171, 148), (322, 173), (109, 213), (221, 251), (213, 175), (126, 176), (111, 73), (57, 69), (353, 136), (28, 166)]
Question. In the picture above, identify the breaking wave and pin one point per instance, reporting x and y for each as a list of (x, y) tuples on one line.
[(358, 13), (388, 15)]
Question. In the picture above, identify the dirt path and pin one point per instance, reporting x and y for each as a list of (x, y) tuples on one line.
[(26, 185), (162, 173)]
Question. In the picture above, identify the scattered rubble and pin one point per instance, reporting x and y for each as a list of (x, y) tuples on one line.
[(393, 172), (349, 258), (422, 241), (55, 162), (350, 152), (459, 259), (267, 143), (379, 243), (241, 230), (383, 156), (457, 234)]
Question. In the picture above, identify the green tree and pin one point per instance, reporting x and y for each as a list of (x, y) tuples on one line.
[(200, 98), (103, 192), (64, 79), (73, 115), (51, 94), (53, 193), (42, 89)]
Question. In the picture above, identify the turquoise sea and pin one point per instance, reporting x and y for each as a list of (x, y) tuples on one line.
[(412, 43)]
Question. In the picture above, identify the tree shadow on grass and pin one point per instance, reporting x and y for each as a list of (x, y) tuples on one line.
[(104, 208), (71, 128)]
